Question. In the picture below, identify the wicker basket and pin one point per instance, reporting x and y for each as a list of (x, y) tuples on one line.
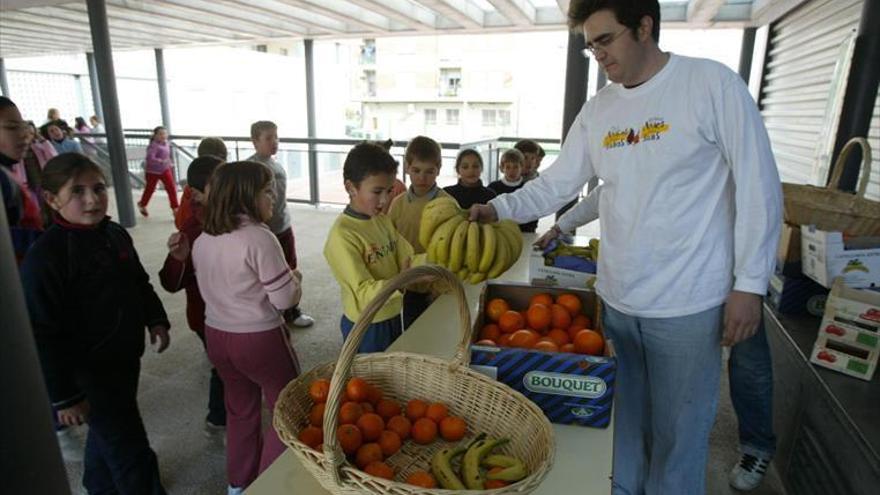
[(831, 209), (487, 405)]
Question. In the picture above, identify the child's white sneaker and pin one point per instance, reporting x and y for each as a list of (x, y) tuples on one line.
[(234, 491), (749, 472), (71, 444)]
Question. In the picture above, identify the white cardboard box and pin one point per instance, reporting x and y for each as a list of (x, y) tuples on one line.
[(824, 257), (549, 276)]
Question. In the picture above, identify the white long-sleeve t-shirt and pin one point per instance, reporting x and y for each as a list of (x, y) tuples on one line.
[(584, 212), (691, 204)]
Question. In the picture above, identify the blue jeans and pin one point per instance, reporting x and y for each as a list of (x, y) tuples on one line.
[(379, 334), (668, 373), (751, 391)]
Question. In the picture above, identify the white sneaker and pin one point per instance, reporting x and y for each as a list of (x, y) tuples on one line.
[(303, 321), (748, 472), (71, 445), (211, 429), (234, 491)]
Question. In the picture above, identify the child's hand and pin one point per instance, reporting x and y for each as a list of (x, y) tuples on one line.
[(160, 332), (548, 236), (178, 246), (74, 415), (483, 214)]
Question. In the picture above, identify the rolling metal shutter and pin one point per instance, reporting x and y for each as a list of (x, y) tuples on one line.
[(874, 139), (804, 47)]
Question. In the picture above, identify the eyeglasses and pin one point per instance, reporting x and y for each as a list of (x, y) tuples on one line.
[(602, 42)]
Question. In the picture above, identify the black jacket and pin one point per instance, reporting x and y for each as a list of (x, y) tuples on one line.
[(470, 195), (89, 301), (499, 187)]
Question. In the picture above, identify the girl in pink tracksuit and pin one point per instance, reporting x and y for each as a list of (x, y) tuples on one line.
[(158, 168)]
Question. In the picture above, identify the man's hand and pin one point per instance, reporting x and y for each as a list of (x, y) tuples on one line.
[(178, 246), (74, 415), (548, 236), (161, 333), (483, 214), (742, 315)]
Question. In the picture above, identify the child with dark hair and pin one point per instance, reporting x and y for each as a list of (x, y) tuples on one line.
[(363, 248), (58, 133), (512, 164), (209, 146), (89, 300), (470, 189), (159, 168), (530, 150), (22, 207), (178, 273), (246, 284)]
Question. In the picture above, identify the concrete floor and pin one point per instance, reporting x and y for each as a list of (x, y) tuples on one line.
[(174, 385)]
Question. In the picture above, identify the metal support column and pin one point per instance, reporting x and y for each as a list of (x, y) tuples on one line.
[(163, 90), (861, 92), (310, 115), (577, 73), (31, 461), (4, 84), (747, 53), (113, 122), (96, 91)]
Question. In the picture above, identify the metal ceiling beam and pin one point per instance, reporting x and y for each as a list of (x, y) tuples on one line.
[(242, 30), (345, 12), (519, 12), (223, 15), (288, 13), (412, 17), (148, 19), (703, 11), (463, 12)]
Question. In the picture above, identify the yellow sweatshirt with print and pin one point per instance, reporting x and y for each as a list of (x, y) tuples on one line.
[(406, 214), (364, 253)]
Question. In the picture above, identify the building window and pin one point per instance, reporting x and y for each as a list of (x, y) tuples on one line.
[(370, 82), (368, 52), (452, 116), (489, 117), (262, 48), (430, 116), (450, 82), (503, 117)]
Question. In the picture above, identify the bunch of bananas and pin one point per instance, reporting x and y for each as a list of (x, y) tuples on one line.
[(590, 252), (478, 453), (473, 251)]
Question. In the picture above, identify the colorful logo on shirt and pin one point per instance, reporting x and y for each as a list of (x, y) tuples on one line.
[(652, 130), (375, 252)]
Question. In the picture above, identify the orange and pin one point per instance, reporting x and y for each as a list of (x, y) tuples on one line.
[(570, 302), (423, 479), (388, 408), (371, 425), (366, 407), (374, 395), (539, 317), (560, 337), (486, 342), (542, 298), (349, 413), (489, 484), (588, 342), (572, 331), (546, 346), (452, 428), (416, 409), (582, 321), (524, 338), (369, 452), (504, 340), (436, 412), (380, 470), (399, 425), (424, 431), (511, 321), (567, 348), (491, 332), (350, 438), (495, 308), (311, 436), (561, 317), (389, 442), (319, 390), (357, 390), (316, 415)]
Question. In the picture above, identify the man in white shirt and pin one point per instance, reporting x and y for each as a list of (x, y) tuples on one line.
[(691, 211)]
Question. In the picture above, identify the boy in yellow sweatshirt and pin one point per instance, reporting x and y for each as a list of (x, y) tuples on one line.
[(422, 160), (364, 249)]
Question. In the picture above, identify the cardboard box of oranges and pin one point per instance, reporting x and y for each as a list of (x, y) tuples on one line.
[(546, 344)]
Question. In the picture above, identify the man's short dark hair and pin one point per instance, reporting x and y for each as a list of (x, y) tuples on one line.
[(628, 12), (367, 159), (527, 146), (423, 149), (200, 170)]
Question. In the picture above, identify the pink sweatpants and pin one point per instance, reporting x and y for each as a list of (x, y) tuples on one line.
[(250, 365)]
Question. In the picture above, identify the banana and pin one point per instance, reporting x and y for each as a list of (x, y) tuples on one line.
[(502, 257), (513, 233), (489, 246), (463, 274), (499, 460), (434, 214), (456, 247), (476, 278), (515, 471), (473, 246), (470, 465), (441, 468), (443, 237)]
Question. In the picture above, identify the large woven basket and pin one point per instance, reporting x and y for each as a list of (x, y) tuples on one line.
[(831, 209), (486, 405)]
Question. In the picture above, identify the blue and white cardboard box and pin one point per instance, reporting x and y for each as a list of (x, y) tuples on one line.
[(572, 389)]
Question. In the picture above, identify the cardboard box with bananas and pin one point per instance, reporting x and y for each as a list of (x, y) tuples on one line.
[(826, 255), (565, 263), (849, 337), (572, 389)]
